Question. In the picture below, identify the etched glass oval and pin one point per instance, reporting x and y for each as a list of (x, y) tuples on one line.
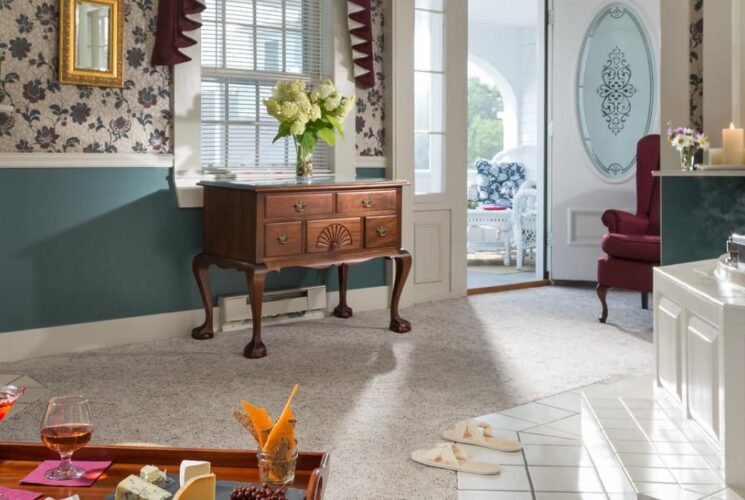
[(616, 90)]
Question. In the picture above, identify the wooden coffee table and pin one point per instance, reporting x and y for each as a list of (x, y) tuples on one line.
[(18, 459)]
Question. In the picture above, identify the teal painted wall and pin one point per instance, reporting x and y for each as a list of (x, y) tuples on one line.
[(698, 214), (80, 245)]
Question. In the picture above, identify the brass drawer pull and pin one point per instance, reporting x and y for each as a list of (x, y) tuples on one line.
[(367, 202), (299, 206), (283, 239), (382, 231)]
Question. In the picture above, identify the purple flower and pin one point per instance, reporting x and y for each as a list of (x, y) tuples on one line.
[(6, 124), (135, 57), (158, 139), (19, 47), (120, 126), (80, 112), (45, 14), (33, 91), (147, 98), (46, 137)]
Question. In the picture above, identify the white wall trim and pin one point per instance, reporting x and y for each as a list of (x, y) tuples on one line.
[(27, 344), (85, 160)]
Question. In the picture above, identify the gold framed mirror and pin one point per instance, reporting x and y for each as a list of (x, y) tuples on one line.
[(91, 42)]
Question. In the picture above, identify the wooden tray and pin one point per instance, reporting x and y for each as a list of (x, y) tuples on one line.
[(18, 459)]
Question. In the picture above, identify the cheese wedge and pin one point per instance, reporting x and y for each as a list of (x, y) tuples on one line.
[(198, 488), (134, 488), (192, 468)]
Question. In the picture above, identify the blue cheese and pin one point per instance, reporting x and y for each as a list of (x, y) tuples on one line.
[(134, 488), (153, 475)]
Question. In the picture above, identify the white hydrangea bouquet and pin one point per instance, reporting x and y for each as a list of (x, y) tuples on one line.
[(688, 142), (308, 115)]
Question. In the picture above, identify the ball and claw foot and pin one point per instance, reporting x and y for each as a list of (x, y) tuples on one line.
[(400, 325), (254, 350), (343, 311), (202, 332)]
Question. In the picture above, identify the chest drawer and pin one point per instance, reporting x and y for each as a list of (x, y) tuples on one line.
[(333, 235), (365, 201), (381, 231), (293, 205), (283, 238)]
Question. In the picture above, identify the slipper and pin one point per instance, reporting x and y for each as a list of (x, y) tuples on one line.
[(449, 456), (480, 434)]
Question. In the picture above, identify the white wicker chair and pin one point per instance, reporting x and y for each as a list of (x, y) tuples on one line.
[(524, 220)]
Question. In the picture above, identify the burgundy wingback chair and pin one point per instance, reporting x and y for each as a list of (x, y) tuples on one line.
[(632, 244)]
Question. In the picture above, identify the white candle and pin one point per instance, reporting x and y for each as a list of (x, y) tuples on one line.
[(716, 156), (732, 140)]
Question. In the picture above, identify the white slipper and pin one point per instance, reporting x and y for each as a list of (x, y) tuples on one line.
[(480, 434), (449, 456)]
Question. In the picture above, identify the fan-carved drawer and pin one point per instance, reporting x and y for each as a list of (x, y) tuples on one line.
[(334, 235), (283, 238), (366, 201), (381, 231), (294, 205)]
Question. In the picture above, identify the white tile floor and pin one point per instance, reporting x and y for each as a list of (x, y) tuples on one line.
[(565, 456)]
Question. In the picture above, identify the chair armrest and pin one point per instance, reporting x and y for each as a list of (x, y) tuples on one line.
[(618, 221)]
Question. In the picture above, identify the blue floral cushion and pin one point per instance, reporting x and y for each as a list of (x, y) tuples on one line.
[(498, 182)]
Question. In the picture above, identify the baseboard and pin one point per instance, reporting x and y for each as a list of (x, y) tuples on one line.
[(34, 343)]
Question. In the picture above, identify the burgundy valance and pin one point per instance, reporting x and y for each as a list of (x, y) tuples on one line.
[(172, 23), (360, 34)]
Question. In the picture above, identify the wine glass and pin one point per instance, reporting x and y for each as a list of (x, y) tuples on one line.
[(66, 427), (8, 396)]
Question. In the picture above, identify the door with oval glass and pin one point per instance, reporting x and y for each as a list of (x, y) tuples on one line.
[(604, 94)]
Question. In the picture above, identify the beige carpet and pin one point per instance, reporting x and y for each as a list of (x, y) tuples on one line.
[(368, 396)]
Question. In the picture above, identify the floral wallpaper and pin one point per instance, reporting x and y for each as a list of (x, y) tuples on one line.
[(696, 61), (370, 124), (50, 117)]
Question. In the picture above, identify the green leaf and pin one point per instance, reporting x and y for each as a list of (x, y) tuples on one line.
[(336, 123), (308, 141), (327, 134), (284, 131)]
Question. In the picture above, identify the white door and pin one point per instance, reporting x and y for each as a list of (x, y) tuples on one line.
[(580, 191), (427, 139)]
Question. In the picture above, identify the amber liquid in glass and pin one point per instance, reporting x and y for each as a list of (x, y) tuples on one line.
[(7, 400), (66, 439)]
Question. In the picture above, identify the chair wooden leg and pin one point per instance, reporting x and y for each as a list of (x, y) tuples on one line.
[(645, 300), (602, 292)]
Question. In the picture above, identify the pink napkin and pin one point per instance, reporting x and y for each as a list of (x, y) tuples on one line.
[(93, 470), (19, 494)]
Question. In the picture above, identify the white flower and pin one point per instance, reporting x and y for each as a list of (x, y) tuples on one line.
[(332, 102)]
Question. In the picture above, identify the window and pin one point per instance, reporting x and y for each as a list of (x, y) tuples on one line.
[(429, 82), (247, 46)]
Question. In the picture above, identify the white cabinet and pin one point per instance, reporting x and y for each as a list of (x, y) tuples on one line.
[(699, 332)]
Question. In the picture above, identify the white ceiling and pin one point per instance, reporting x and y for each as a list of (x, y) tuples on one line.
[(517, 13)]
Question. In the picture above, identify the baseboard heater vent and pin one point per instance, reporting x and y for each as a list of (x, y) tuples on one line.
[(282, 306)]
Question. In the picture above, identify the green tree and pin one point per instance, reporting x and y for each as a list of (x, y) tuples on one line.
[(485, 129)]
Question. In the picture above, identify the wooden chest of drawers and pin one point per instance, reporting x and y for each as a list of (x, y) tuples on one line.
[(266, 226)]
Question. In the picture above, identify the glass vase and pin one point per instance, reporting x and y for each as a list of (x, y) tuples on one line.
[(304, 162), (687, 160), (278, 468)]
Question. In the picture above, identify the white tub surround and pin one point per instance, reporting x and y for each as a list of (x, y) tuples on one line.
[(699, 332)]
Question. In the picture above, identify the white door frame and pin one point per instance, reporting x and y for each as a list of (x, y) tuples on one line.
[(444, 213)]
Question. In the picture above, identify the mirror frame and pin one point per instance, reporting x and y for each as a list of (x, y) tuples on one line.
[(70, 74)]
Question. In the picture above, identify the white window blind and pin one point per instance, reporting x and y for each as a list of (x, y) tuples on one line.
[(247, 47)]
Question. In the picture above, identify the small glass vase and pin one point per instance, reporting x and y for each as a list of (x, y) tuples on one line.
[(304, 162), (277, 469), (687, 160)]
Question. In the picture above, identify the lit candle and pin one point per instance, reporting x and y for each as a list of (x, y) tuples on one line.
[(732, 140), (716, 156)]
